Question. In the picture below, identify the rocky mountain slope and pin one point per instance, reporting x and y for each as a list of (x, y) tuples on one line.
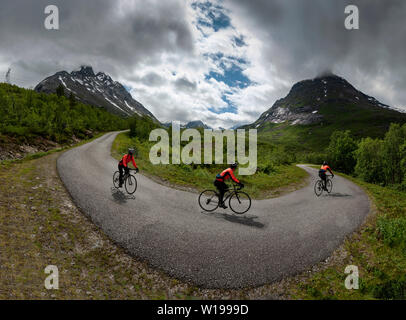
[(197, 124), (190, 125), (95, 89), (314, 109), (305, 102)]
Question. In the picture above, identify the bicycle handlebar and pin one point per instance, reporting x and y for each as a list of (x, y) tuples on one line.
[(236, 184)]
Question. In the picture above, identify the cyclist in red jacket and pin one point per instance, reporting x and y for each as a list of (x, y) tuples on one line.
[(123, 164), (221, 185), (322, 173)]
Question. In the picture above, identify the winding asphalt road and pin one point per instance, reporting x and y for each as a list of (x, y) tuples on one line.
[(166, 227)]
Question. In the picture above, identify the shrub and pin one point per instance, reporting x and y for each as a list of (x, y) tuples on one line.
[(391, 289), (313, 157), (266, 168), (341, 151), (370, 160), (392, 154), (392, 231), (141, 127)]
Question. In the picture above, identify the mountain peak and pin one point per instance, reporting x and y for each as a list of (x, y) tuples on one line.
[(98, 90), (325, 74), (86, 71), (196, 124), (103, 77), (308, 101)]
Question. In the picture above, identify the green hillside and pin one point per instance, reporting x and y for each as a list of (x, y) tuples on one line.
[(304, 120), (362, 122), (25, 114)]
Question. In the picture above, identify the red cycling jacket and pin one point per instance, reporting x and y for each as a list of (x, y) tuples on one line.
[(227, 174), (127, 159), (325, 168)]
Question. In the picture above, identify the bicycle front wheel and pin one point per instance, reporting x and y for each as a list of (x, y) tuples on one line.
[(209, 200), (130, 184), (116, 179), (240, 202), (329, 185), (318, 188)]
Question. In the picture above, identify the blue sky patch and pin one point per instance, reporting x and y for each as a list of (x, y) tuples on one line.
[(239, 41), (232, 75), (127, 88), (230, 69), (213, 13), (231, 108)]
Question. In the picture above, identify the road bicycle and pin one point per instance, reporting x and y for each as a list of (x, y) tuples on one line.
[(129, 181), (319, 186), (238, 201)]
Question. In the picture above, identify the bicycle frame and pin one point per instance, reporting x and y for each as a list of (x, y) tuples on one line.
[(126, 175), (328, 177), (229, 193)]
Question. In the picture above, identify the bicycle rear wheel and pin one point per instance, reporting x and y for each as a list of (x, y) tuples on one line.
[(116, 179), (329, 185), (130, 184), (318, 188), (209, 200), (240, 202)]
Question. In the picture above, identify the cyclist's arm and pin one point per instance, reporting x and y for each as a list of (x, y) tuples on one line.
[(330, 171), (134, 164), (233, 177)]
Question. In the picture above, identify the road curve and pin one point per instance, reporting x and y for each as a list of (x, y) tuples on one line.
[(166, 227)]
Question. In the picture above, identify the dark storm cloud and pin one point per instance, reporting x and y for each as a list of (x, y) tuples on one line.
[(308, 37), (185, 85), (113, 36), (151, 79)]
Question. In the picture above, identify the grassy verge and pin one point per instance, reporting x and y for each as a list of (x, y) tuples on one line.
[(270, 182), (38, 155), (378, 249)]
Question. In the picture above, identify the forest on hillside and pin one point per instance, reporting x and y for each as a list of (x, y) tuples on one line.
[(25, 113)]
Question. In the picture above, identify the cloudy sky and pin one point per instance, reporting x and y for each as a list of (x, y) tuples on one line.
[(221, 61)]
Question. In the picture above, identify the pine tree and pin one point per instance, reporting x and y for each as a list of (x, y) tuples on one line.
[(72, 100), (60, 91)]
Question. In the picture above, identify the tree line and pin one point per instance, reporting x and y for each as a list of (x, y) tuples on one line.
[(379, 161), (26, 113)]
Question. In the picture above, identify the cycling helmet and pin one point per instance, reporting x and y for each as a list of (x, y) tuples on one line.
[(325, 163), (131, 151), (234, 165)]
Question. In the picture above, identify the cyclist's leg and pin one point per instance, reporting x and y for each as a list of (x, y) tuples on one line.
[(324, 182), (323, 177), (221, 189), (120, 169), (126, 171)]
